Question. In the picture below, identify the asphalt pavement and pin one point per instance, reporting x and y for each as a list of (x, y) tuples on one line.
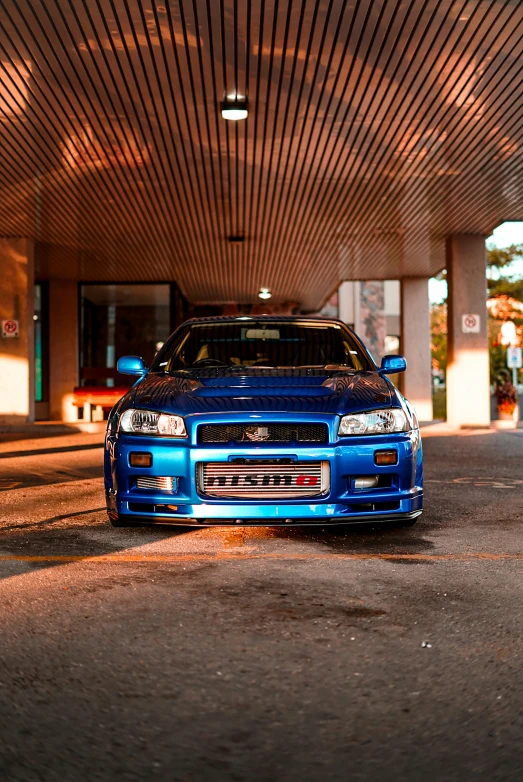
[(261, 654)]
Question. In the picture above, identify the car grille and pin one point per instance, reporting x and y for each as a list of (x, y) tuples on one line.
[(267, 433), (264, 481)]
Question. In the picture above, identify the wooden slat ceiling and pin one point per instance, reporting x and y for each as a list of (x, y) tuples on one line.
[(375, 128)]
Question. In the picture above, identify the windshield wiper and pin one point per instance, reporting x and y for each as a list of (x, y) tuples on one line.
[(329, 367), (245, 366), (341, 367)]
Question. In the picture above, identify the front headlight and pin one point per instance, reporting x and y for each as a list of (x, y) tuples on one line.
[(374, 422), (146, 422)]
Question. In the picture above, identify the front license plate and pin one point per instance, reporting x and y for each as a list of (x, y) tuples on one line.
[(269, 480)]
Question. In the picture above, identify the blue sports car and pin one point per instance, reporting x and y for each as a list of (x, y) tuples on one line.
[(263, 420)]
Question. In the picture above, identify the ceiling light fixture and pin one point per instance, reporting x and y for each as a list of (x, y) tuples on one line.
[(235, 108), (264, 293), (236, 238)]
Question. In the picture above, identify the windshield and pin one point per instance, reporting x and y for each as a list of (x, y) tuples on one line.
[(269, 344)]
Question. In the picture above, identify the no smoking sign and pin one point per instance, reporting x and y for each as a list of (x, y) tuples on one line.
[(10, 328), (470, 323)]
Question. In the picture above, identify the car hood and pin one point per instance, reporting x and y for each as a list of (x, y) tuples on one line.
[(290, 390)]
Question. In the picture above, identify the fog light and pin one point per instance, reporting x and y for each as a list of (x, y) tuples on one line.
[(366, 482), (386, 457), (140, 459), (156, 483)]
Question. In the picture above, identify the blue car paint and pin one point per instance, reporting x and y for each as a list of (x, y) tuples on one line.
[(227, 395), (131, 365), (392, 364)]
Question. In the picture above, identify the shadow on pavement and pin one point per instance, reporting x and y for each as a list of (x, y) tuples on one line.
[(26, 480), (51, 520), (42, 545), (361, 538)]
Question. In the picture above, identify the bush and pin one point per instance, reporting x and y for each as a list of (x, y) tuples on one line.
[(506, 395)]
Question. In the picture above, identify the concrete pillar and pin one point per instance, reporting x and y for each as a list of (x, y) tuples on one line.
[(17, 351), (392, 291), (346, 302), (415, 345), (63, 349), (372, 327), (468, 381)]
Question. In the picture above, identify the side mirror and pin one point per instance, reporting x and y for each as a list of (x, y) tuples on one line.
[(392, 364), (131, 365)]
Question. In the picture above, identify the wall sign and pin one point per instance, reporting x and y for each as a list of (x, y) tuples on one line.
[(470, 323), (514, 358), (10, 328)]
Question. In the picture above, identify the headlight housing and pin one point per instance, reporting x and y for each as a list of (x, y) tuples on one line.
[(147, 422), (374, 422)]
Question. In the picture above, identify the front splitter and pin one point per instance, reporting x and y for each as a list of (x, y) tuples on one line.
[(375, 518)]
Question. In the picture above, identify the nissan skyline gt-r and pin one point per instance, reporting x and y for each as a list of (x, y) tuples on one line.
[(263, 420)]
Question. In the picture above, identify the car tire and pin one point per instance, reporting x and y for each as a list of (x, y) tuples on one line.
[(119, 521)]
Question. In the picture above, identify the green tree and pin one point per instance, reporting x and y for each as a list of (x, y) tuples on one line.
[(501, 280)]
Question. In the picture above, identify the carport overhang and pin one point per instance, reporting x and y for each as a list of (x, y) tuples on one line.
[(376, 132)]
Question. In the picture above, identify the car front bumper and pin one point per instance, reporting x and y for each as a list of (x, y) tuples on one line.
[(400, 495)]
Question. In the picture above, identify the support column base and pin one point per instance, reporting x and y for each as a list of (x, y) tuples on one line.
[(467, 403)]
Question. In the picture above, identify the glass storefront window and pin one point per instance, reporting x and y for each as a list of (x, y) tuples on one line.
[(120, 320), (40, 342)]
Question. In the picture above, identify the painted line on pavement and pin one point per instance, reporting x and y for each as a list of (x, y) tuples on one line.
[(167, 558), (491, 483), (51, 520), (47, 451)]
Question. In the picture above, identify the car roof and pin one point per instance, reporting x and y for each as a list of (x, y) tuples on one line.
[(268, 318)]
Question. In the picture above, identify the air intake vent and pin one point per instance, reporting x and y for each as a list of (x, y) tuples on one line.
[(265, 480), (154, 483), (260, 433)]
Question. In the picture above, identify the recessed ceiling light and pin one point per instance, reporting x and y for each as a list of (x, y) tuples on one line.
[(235, 108), (264, 293), (236, 239)]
